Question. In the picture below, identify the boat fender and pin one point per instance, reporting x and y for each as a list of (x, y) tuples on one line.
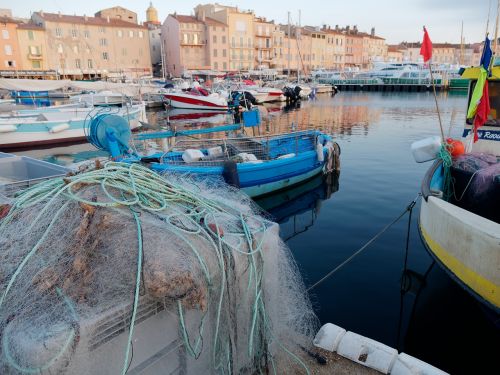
[(328, 337), (319, 152), (59, 128), (406, 364), (8, 128), (286, 156), (367, 352), (192, 155), (230, 173)]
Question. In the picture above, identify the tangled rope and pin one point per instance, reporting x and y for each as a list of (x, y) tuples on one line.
[(139, 189)]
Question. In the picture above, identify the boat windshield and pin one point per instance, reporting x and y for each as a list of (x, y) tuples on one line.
[(494, 115)]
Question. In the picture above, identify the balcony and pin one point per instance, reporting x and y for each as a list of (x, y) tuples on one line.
[(37, 56), (193, 44)]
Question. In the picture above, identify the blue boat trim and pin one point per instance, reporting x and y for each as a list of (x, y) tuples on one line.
[(489, 135)]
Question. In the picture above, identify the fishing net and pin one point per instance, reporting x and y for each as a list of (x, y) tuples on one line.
[(476, 184), (119, 270)]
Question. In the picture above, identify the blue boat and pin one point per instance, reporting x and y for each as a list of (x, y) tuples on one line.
[(258, 165)]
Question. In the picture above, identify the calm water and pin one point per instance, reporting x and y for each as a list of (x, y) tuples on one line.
[(418, 308)]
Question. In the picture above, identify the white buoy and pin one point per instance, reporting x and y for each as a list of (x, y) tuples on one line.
[(329, 336), (426, 149), (367, 352), (8, 128), (59, 128)]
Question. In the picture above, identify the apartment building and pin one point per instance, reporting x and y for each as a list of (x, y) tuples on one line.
[(83, 46), (184, 42), (241, 32), (217, 48), (32, 47), (354, 47), (10, 54), (263, 42)]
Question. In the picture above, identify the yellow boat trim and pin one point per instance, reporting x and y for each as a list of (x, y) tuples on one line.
[(482, 286), (473, 73)]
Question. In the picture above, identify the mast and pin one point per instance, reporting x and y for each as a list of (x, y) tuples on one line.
[(495, 43), (298, 49), (289, 46), (461, 61)]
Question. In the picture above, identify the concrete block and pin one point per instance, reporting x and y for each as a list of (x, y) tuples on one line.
[(329, 336), (407, 365), (367, 352)]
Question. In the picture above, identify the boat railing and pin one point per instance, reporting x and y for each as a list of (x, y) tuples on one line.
[(255, 150)]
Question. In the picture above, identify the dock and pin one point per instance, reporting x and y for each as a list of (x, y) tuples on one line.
[(398, 84)]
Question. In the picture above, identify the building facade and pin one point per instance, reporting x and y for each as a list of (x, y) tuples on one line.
[(82, 46), (184, 42), (33, 47), (10, 54)]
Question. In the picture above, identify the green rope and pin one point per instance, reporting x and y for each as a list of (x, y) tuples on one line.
[(137, 188), (445, 155)]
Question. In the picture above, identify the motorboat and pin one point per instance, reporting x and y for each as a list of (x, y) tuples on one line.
[(59, 124), (196, 98)]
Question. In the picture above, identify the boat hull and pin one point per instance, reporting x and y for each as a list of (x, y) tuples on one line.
[(194, 102), (38, 134), (258, 179), (466, 245)]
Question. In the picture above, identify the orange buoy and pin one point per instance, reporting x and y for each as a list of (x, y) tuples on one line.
[(455, 147)]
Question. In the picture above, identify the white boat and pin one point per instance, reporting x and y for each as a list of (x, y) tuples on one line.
[(460, 225), (100, 98), (196, 98), (383, 70), (55, 125)]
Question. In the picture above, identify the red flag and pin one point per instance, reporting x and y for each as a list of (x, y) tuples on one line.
[(483, 109), (426, 49)]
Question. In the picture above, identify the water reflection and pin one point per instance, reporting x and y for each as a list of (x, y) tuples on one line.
[(296, 209)]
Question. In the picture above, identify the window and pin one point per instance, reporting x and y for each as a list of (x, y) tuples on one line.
[(35, 64), (214, 38), (241, 41), (224, 53), (124, 52), (131, 33), (119, 33), (223, 39), (31, 36), (103, 42), (10, 63), (224, 65), (185, 38), (86, 34), (216, 66), (5, 34), (78, 64), (60, 48), (89, 64), (215, 53), (63, 64), (105, 56), (58, 32), (233, 41), (102, 29), (8, 49), (74, 33), (35, 50), (75, 49), (141, 34)]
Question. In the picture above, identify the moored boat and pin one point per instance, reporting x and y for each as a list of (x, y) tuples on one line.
[(57, 125), (196, 98), (460, 213), (257, 165)]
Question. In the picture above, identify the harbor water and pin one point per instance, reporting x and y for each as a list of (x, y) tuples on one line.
[(412, 305)]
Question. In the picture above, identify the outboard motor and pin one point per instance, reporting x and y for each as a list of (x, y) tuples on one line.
[(291, 94), (244, 99)]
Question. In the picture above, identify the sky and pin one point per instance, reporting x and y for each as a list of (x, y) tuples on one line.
[(395, 20)]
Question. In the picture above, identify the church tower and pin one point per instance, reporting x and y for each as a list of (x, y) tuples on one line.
[(152, 14)]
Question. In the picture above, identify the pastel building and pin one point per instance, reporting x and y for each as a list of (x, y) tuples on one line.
[(10, 54), (83, 46), (241, 32), (184, 41), (33, 47)]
